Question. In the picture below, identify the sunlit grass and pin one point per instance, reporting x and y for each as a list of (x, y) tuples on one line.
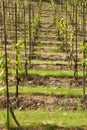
[(53, 73), (49, 62), (50, 91), (63, 91), (47, 119)]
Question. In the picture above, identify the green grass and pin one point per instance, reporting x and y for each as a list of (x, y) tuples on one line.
[(44, 62), (50, 53), (48, 119), (2, 118), (48, 62), (69, 92), (50, 91), (52, 73), (46, 47)]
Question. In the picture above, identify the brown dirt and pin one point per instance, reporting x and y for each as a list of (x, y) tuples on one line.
[(51, 67), (51, 81), (47, 81), (45, 127), (46, 102)]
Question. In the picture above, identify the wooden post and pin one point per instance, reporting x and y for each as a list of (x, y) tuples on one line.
[(25, 44), (6, 65), (66, 24), (84, 54), (16, 39), (76, 47), (29, 34)]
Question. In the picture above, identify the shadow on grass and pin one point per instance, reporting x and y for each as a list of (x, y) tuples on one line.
[(47, 127)]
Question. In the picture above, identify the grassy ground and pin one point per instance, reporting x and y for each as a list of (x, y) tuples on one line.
[(49, 120), (52, 73), (44, 119), (70, 92)]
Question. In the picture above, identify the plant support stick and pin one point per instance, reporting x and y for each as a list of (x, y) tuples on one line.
[(6, 66)]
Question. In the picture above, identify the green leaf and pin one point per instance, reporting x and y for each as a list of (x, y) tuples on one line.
[(2, 89), (1, 73)]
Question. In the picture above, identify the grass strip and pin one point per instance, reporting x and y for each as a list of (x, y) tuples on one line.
[(50, 91), (52, 73), (49, 62), (69, 92), (49, 120)]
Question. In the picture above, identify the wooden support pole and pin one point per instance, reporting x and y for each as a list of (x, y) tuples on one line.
[(16, 47), (6, 64)]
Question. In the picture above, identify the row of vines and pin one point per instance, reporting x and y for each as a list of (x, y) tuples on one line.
[(70, 19), (19, 23)]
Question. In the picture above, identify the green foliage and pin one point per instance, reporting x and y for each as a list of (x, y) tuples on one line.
[(40, 3), (2, 68), (36, 21), (63, 27), (36, 24), (53, 9), (53, 6), (57, 22), (71, 39), (26, 3), (3, 91), (18, 53)]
